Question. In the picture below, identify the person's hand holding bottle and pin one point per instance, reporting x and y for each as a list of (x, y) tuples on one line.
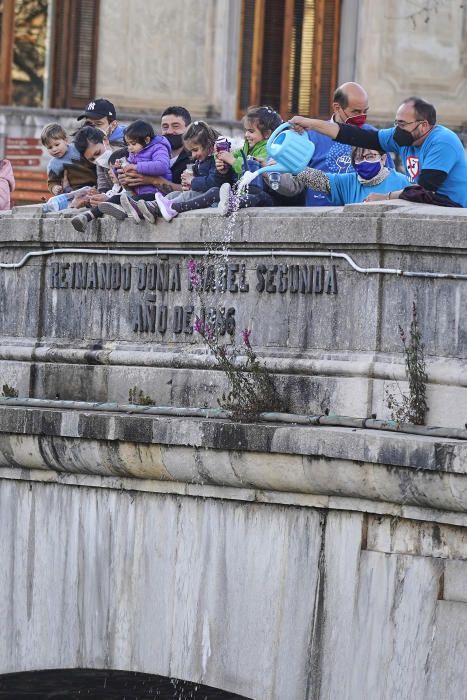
[(119, 171), (83, 200), (187, 177), (225, 157)]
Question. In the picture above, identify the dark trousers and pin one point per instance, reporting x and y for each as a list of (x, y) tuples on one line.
[(256, 197), (115, 199)]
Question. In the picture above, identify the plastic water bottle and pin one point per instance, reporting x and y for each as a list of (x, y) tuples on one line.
[(64, 200), (60, 201), (189, 168), (274, 180)]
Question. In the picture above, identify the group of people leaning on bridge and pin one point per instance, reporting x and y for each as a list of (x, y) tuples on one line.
[(133, 172)]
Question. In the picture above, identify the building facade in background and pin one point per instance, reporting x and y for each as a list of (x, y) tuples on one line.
[(218, 56)]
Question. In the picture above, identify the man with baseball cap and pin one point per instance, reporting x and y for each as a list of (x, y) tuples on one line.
[(101, 114)]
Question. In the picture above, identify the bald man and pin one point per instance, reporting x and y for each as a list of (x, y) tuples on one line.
[(349, 106)]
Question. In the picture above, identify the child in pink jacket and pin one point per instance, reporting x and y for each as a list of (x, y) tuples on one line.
[(7, 184)]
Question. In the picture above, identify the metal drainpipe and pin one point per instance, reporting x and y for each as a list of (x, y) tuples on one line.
[(238, 254), (272, 417)]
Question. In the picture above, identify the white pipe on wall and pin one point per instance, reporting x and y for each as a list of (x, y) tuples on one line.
[(294, 253)]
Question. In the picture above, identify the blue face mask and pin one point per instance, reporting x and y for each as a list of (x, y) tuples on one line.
[(367, 170)]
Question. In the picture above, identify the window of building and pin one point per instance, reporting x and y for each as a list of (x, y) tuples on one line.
[(66, 40), (23, 35), (289, 55), (74, 57)]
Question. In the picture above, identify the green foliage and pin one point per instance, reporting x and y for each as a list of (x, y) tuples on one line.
[(29, 52), (137, 397), (411, 407)]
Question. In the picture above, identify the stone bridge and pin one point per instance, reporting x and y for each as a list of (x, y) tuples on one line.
[(315, 554)]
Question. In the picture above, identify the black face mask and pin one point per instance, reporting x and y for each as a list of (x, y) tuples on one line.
[(402, 137), (175, 140)]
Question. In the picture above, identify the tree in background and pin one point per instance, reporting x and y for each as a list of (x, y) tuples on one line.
[(29, 52)]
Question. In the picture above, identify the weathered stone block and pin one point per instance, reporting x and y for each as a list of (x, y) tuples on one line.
[(97, 324)]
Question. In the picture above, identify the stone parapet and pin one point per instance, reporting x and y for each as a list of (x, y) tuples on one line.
[(89, 316), (420, 476)]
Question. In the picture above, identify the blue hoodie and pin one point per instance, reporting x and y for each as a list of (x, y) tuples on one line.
[(58, 165)]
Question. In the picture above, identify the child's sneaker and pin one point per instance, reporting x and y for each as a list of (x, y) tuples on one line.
[(80, 221), (129, 206), (112, 209), (225, 194), (149, 210), (165, 207)]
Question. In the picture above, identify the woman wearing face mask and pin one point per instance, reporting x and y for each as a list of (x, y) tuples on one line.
[(92, 144), (371, 175)]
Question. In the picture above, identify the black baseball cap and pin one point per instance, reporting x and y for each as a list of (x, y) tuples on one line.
[(99, 108)]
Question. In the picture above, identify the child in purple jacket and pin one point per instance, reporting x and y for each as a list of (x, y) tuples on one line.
[(200, 139), (148, 155)]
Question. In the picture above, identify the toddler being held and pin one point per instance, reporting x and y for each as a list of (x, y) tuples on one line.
[(67, 170)]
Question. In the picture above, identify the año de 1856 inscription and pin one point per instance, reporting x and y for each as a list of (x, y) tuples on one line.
[(166, 277)]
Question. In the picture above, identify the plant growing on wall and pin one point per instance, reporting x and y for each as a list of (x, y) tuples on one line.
[(139, 398), (411, 407), (9, 392), (252, 390)]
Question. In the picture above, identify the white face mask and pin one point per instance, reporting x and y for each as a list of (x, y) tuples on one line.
[(103, 159)]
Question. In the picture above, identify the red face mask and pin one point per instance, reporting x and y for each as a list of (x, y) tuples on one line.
[(358, 120)]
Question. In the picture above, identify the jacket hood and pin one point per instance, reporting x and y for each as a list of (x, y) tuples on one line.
[(116, 138), (158, 141)]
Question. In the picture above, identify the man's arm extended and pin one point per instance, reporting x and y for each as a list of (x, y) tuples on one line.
[(343, 133), (302, 124)]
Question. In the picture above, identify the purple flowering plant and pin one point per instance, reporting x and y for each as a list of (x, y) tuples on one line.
[(193, 274), (251, 389), (411, 407)]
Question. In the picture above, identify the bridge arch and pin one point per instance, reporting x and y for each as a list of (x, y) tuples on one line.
[(104, 684)]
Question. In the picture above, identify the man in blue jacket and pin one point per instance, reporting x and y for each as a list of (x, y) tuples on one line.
[(350, 106)]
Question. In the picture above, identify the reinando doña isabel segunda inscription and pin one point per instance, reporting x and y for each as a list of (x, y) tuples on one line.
[(231, 278)]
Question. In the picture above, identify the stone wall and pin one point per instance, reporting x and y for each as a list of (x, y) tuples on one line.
[(271, 561), (113, 309), (151, 55), (405, 48)]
